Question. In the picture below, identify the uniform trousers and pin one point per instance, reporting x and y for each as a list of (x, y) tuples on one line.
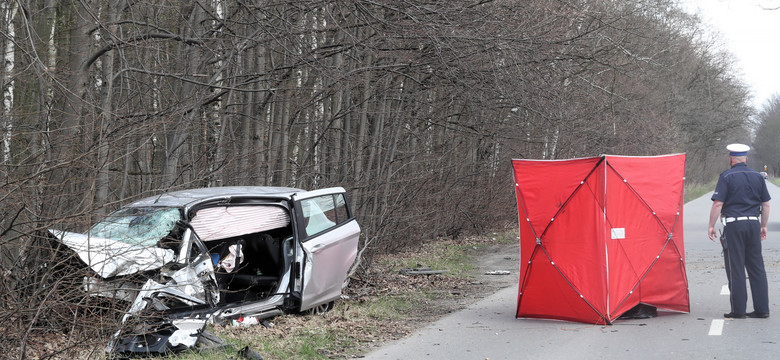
[(743, 252)]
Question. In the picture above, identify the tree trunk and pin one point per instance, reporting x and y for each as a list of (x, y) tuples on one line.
[(9, 10), (190, 113), (103, 182)]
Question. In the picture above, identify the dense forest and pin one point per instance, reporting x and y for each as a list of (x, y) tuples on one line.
[(416, 107)]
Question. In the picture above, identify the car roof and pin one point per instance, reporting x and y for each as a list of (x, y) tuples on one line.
[(189, 197)]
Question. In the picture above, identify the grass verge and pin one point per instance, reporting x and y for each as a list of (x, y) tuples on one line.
[(694, 191)]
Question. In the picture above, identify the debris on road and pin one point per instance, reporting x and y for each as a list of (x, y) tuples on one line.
[(421, 270), (498, 272)]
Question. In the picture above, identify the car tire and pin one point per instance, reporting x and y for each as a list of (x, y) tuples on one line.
[(321, 308)]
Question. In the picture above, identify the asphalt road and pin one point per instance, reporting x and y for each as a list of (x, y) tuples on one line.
[(489, 330)]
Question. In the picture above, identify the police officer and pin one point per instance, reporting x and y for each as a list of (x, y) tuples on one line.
[(741, 202)]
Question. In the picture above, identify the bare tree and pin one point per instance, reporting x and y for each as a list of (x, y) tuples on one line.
[(768, 131)]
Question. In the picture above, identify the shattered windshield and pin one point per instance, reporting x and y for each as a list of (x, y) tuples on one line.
[(142, 226)]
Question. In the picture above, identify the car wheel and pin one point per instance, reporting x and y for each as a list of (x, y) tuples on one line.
[(321, 308)]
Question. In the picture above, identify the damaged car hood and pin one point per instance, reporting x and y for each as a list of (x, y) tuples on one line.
[(110, 258)]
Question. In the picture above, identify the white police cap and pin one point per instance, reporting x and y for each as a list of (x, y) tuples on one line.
[(738, 149)]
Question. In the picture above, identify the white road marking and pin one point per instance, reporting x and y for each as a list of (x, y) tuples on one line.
[(716, 328)]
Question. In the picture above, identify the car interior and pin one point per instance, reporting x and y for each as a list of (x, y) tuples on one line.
[(264, 258)]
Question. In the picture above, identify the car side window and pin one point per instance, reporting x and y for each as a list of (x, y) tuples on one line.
[(324, 212)]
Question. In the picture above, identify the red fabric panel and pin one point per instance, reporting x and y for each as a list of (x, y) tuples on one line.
[(540, 197), (542, 187), (677, 237), (527, 245), (658, 180), (628, 303), (547, 295), (666, 285), (643, 237), (574, 241)]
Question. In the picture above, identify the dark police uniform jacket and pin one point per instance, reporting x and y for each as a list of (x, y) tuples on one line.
[(742, 190)]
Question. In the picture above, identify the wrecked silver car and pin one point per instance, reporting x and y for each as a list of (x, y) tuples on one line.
[(215, 255)]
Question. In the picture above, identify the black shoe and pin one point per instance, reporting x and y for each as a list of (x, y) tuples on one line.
[(757, 315), (732, 315)]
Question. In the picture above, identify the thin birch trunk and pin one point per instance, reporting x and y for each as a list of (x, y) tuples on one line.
[(9, 10), (106, 117)]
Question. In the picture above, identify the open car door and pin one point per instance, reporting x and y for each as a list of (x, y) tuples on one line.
[(328, 234)]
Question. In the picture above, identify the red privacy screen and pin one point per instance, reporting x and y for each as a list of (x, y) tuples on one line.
[(600, 235)]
